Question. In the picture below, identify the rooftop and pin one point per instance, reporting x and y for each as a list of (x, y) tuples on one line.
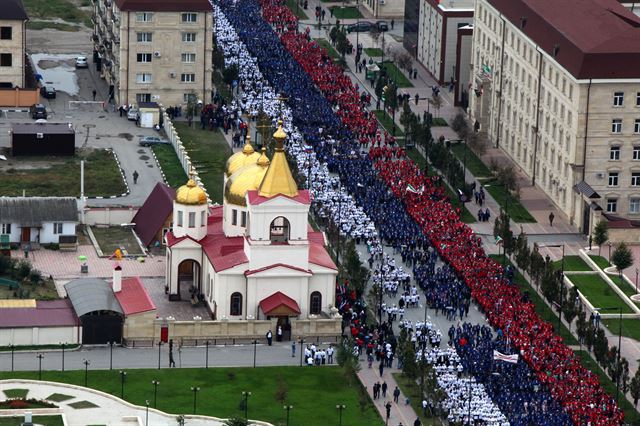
[(133, 297), (34, 211), (13, 10), (46, 313), (590, 38), (164, 5)]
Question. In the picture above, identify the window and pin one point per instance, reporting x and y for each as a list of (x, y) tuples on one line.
[(57, 228), (637, 98), (634, 205), (616, 125), (189, 37), (5, 228), (180, 218), (145, 37), (188, 58), (5, 33), (635, 179), (203, 218), (636, 126), (613, 178), (612, 205), (5, 60), (279, 230), (618, 99), (234, 217), (236, 304), (614, 153), (189, 17), (143, 78), (143, 57), (192, 219), (144, 17), (188, 78), (315, 305), (636, 152), (243, 219), (189, 97), (143, 97)]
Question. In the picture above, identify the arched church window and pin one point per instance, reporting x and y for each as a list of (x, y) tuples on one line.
[(315, 305), (236, 304), (279, 230)]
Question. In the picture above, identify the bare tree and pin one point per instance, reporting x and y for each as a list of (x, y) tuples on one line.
[(436, 103), (405, 61), (375, 35)]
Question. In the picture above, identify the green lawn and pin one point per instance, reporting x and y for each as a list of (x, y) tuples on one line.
[(60, 176), (623, 285), (41, 420), (602, 262), (297, 10), (542, 309), (516, 211), (439, 122), (62, 9), (387, 122), (333, 53), (116, 237), (572, 263), (598, 292), (411, 389), (313, 392), (60, 26), (395, 74), (373, 51), (16, 393), (170, 165), (348, 12), (630, 327), (631, 415), (209, 152), (474, 164)]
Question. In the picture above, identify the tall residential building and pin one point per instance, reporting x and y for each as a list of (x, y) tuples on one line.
[(154, 50), (13, 20), (557, 88)]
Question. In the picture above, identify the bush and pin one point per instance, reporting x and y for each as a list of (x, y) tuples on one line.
[(52, 246), (23, 270), (6, 265), (35, 276)]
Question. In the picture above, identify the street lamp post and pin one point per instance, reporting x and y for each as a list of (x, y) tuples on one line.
[(111, 355), (301, 350), (255, 346), (146, 402), (62, 344), (288, 409), (206, 357), (155, 384), (340, 407), (637, 279), (159, 353), (86, 363), (12, 346), (195, 390), (609, 244), (40, 357), (618, 366), (123, 374), (246, 396)]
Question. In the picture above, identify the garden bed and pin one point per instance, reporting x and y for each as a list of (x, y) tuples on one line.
[(598, 292), (114, 237)]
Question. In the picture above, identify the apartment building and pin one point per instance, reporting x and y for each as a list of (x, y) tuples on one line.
[(383, 9), (13, 21), (556, 86), (154, 50)]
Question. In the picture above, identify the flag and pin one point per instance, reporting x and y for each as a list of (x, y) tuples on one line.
[(513, 359), (410, 188), (498, 240)]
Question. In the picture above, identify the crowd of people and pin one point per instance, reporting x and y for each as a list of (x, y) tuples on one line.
[(330, 115)]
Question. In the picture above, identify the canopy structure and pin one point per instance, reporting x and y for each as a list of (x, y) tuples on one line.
[(91, 295), (279, 304)]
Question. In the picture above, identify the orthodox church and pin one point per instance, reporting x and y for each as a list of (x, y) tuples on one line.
[(255, 256)]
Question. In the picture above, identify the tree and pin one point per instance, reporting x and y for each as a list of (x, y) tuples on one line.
[(572, 306), (622, 258), (230, 73), (600, 346), (375, 34), (459, 125), (601, 234), (436, 103), (409, 364), (347, 360), (634, 387), (536, 266)]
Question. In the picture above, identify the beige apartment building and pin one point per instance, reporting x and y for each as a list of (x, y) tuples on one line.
[(556, 86), (154, 50), (13, 21)]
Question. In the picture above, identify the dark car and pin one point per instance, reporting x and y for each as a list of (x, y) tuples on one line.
[(382, 26), (48, 92), (38, 111), (152, 140), (360, 27)]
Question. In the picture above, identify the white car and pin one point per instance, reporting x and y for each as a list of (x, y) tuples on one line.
[(81, 62), (133, 114)]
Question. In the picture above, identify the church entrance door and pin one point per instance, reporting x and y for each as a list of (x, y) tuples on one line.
[(189, 281), (286, 328)]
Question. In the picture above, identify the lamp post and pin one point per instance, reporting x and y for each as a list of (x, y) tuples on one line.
[(301, 350), (123, 374), (62, 344), (561, 281), (159, 352), (206, 357), (246, 396), (288, 409), (637, 279), (618, 366), (155, 384), (195, 390), (609, 244), (111, 355), (146, 402), (86, 363), (40, 357), (255, 348), (12, 346), (340, 407)]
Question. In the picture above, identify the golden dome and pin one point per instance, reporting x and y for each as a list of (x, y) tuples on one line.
[(247, 178), (191, 194), (242, 158), (278, 179)]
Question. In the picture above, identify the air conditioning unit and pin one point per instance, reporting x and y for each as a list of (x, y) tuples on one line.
[(172, 74), (157, 54), (600, 175)]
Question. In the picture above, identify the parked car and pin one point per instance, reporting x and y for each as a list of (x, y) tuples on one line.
[(152, 140), (38, 111), (360, 27), (382, 26), (48, 92), (81, 62), (132, 114)]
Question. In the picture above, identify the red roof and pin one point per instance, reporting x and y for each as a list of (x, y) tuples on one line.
[(255, 199), (276, 300), (318, 256), (591, 38), (154, 212), (276, 265), (47, 313), (164, 5), (133, 297)]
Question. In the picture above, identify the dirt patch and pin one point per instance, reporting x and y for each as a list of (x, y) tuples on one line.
[(46, 64), (127, 136)]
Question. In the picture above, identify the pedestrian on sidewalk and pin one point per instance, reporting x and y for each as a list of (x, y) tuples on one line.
[(381, 367), (293, 348), (396, 395), (417, 98), (135, 177), (392, 23), (551, 216), (387, 407), (417, 422), (94, 92), (384, 389)]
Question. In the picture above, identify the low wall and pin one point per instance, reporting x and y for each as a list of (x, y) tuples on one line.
[(109, 215), (34, 336), (628, 236), (19, 98)]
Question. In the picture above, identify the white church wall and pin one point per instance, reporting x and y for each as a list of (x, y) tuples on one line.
[(227, 285), (324, 283), (264, 286), (264, 255)]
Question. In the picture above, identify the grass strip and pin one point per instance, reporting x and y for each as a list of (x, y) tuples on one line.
[(474, 163), (59, 397), (348, 12), (170, 165), (60, 26), (387, 122), (410, 389), (373, 52), (516, 211), (395, 74), (297, 10), (18, 348), (572, 263), (333, 53), (16, 393), (439, 122), (598, 292), (630, 327), (602, 262)]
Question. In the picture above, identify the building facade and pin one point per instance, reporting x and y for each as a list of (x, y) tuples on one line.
[(13, 21), (384, 9), (39, 220), (562, 100), (154, 51)]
